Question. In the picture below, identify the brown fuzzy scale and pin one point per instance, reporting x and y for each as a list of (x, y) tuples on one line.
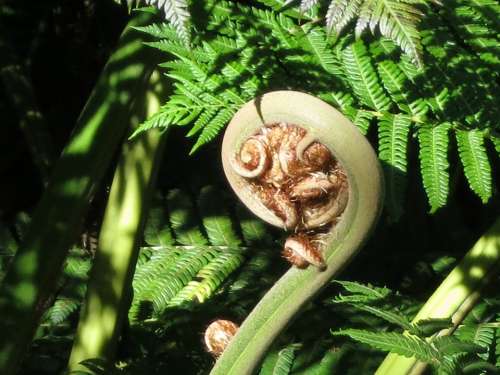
[(299, 180), (300, 250), (294, 258), (218, 334)]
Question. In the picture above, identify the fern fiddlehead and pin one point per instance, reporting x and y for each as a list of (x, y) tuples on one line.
[(365, 190)]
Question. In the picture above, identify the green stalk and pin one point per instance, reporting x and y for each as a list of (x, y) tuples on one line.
[(456, 295), (111, 277), (32, 276)]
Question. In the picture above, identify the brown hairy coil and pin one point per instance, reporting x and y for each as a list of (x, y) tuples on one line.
[(297, 179), (218, 334)]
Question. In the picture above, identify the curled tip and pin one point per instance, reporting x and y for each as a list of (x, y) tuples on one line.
[(218, 334), (253, 159)]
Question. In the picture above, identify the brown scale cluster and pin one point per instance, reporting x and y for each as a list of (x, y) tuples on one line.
[(299, 181)]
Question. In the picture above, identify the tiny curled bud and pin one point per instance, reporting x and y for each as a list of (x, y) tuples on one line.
[(218, 334)]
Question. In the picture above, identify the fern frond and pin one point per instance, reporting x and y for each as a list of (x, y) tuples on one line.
[(216, 220), (210, 277), (428, 327), (387, 315), (284, 362), (157, 230), (213, 127), (396, 20), (397, 85), (476, 22), (475, 162), (393, 140), (360, 118), (280, 362), (369, 291), (480, 334), (363, 77), (60, 311), (434, 164), (183, 219), (316, 42), (450, 345), (340, 13), (159, 30), (176, 12), (255, 232), (405, 345), (305, 5), (168, 271)]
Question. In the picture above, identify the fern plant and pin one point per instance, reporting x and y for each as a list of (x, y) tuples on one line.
[(244, 51)]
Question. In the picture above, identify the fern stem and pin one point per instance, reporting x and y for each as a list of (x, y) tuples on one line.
[(297, 286), (33, 274), (456, 295), (110, 282)]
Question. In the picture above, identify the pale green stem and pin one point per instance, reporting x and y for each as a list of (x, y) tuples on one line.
[(455, 296), (112, 271)]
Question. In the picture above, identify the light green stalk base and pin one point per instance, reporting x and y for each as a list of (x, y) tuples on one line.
[(32, 277), (455, 296), (112, 272)]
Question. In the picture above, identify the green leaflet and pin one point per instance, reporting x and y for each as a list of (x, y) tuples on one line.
[(434, 164), (475, 162), (183, 219), (398, 86), (280, 363), (405, 345), (157, 229), (216, 221), (363, 78), (176, 12), (393, 140)]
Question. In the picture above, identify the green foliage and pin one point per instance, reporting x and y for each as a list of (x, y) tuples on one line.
[(242, 51), (204, 248), (475, 161), (433, 142), (408, 346), (281, 363), (72, 288), (396, 20), (468, 348)]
